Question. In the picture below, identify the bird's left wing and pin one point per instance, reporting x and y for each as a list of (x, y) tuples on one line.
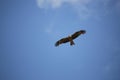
[(63, 40)]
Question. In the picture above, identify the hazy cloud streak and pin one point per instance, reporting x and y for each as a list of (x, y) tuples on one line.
[(84, 8)]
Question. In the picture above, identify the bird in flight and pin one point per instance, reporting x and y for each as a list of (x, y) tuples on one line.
[(70, 38)]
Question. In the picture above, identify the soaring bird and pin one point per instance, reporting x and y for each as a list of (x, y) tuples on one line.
[(70, 38)]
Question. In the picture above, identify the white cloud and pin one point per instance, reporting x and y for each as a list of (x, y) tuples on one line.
[(79, 5), (56, 3), (59, 3), (49, 3), (84, 8)]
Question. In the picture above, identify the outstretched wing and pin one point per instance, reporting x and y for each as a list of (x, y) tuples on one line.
[(63, 40), (78, 33)]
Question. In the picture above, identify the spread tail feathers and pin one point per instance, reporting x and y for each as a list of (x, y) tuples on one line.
[(72, 43)]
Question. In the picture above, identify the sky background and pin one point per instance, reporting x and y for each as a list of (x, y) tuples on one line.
[(30, 28)]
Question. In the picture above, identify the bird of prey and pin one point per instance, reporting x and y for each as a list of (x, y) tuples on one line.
[(70, 38)]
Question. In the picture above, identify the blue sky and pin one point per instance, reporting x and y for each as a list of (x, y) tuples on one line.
[(30, 28)]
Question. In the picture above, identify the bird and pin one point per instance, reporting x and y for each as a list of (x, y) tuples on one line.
[(70, 38)]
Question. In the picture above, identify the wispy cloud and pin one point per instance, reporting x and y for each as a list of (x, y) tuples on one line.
[(49, 3), (59, 3), (84, 8), (49, 28)]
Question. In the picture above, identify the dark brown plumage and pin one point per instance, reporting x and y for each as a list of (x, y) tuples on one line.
[(70, 38)]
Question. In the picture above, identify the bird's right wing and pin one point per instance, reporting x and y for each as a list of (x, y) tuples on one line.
[(75, 35), (78, 33)]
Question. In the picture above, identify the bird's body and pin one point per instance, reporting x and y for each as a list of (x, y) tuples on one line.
[(70, 38)]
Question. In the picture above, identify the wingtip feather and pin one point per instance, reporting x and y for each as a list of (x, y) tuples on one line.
[(57, 44)]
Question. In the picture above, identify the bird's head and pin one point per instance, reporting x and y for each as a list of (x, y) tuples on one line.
[(69, 35)]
